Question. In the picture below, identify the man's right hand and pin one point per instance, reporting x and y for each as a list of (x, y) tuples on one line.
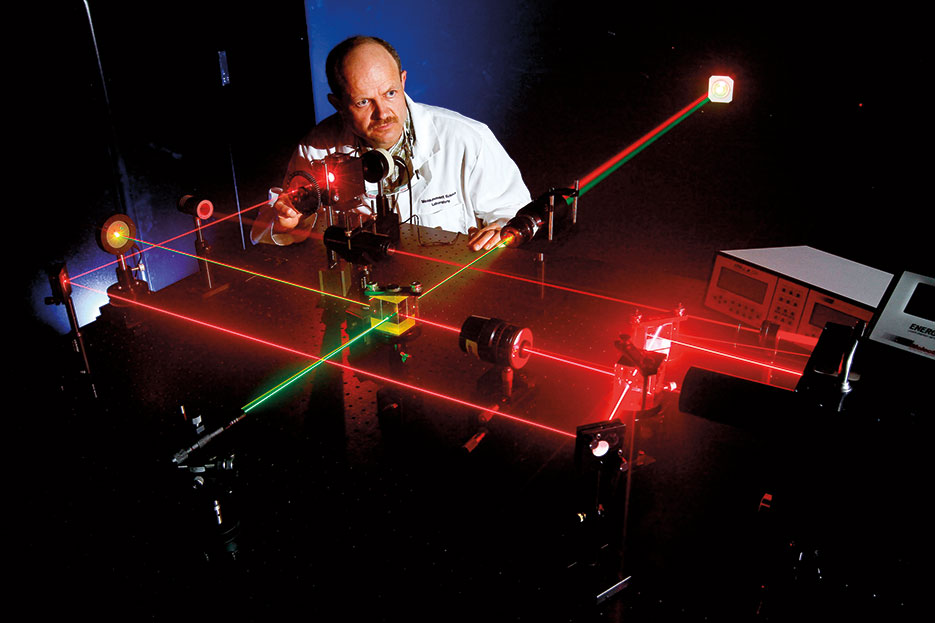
[(287, 217)]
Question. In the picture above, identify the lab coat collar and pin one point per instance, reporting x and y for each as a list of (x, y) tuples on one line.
[(426, 142)]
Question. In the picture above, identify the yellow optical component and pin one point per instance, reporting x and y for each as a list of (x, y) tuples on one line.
[(395, 308)]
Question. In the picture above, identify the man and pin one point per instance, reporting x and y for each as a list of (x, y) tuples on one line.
[(461, 173)]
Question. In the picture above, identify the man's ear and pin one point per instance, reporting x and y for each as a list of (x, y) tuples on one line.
[(335, 101), (402, 79)]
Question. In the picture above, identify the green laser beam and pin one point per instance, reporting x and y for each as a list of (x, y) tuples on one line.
[(463, 268), (265, 396), (253, 273), (636, 150), (292, 379)]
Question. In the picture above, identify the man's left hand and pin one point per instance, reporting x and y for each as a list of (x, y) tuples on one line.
[(485, 238)]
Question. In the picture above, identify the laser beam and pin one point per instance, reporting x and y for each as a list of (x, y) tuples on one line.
[(202, 323), (456, 400), (729, 325), (579, 364), (733, 343), (738, 358), (532, 281), (623, 394), (535, 351), (463, 268), (335, 363), (174, 238), (435, 324), (254, 273), (301, 373), (593, 178)]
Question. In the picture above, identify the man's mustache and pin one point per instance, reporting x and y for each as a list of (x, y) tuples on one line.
[(379, 122)]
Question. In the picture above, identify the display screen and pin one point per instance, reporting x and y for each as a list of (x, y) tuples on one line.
[(922, 302), (742, 285), (822, 315)]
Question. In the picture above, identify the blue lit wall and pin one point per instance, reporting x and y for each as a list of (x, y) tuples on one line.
[(472, 57)]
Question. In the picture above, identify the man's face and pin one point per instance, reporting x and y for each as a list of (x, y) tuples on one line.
[(374, 104)]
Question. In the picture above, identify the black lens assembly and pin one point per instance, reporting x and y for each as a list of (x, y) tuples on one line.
[(495, 341)]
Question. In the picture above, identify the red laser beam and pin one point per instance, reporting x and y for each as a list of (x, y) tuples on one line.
[(465, 403), (590, 177), (202, 323), (571, 362), (733, 343), (434, 324), (626, 388), (535, 351), (257, 340), (533, 281), (738, 358), (174, 238), (729, 325), (255, 274)]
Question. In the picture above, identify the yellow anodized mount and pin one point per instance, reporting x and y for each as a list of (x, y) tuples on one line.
[(396, 307)]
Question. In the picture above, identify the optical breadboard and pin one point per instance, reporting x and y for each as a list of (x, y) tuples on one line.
[(798, 288)]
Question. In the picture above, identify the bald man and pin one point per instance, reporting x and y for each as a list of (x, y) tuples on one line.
[(463, 180)]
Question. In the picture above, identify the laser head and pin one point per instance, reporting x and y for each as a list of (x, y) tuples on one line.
[(196, 205), (720, 89), (524, 226), (117, 234), (337, 180)]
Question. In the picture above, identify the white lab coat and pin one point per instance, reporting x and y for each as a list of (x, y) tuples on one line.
[(462, 174)]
